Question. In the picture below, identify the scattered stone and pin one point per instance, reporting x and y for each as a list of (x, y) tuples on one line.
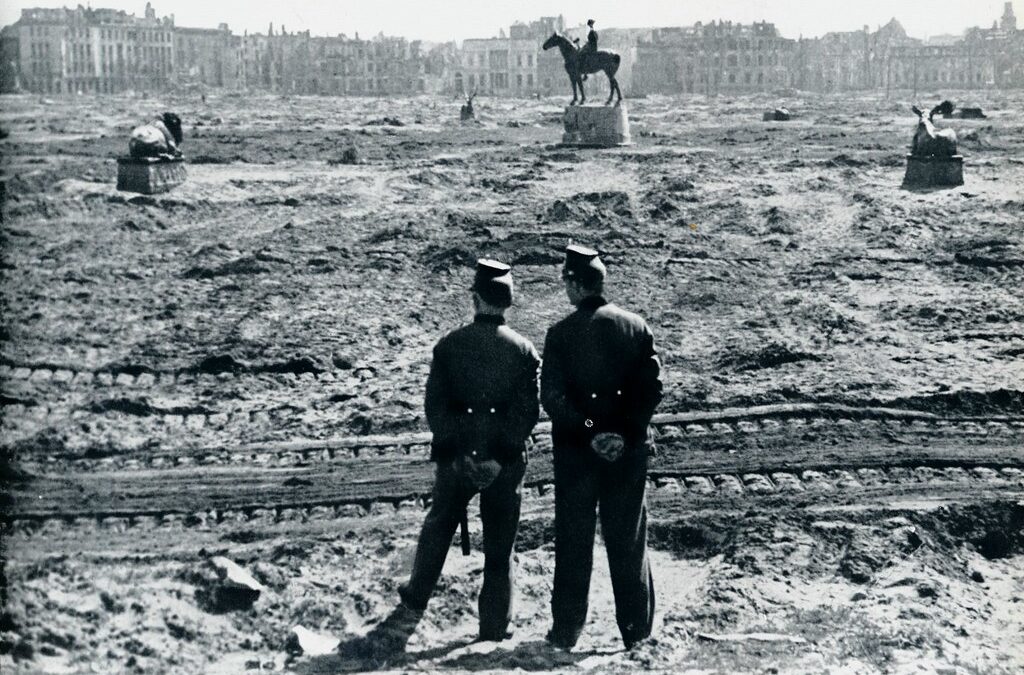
[(235, 588), (385, 122), (305, 641), (752, 637), (977, 576), (777, 115)]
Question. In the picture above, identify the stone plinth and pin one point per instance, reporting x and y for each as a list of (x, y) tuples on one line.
[(777, 115), (931, 172), (596, 126), (149, 175)]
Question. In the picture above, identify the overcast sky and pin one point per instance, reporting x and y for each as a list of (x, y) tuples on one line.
[(441, 20)]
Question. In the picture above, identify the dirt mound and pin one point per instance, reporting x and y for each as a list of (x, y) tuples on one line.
[(771, 355), (141, 407), (995, 252), (227, 363), (440, 258), (964, 402), (528, 248), (221, 363), (778, 221), (213, 159), (385, 122), (239, 266), (348, 156), (592, 208), (844, 160)]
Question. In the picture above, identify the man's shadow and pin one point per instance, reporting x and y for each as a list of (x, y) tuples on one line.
[(383, 647)]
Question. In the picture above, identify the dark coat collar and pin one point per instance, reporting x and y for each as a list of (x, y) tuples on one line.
[(489, 318), (591, 303)]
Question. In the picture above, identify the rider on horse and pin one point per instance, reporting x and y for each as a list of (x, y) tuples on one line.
[(591, 46)]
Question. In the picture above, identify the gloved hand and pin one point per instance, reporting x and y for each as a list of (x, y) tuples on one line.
[(480, 473), (608, 446)]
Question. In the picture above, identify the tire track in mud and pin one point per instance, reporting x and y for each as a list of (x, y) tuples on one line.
[(735, 425), (779, 451), (668, 492)]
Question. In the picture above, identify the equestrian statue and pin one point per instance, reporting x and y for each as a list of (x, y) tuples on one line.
[(581, 61)]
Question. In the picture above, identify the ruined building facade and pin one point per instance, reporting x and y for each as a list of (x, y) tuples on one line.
[(713, 58), (63, 51), (85, 50)]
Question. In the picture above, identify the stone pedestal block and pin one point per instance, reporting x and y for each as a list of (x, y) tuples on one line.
[(777, 115), (596, 126), (931, 172), (149, 175)]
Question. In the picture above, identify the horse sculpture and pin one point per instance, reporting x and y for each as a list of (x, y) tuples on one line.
[(577, 65), (927, 141)]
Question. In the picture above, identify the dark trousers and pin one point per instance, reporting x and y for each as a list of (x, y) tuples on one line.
[(500, 503), (586, 485)]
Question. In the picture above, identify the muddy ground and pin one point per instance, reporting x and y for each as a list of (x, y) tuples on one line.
[(236, 368)]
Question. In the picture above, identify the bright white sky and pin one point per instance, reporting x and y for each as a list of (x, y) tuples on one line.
[(442, 20)]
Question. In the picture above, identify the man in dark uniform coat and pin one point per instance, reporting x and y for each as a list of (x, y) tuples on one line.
[(481, 405), (600, 383)]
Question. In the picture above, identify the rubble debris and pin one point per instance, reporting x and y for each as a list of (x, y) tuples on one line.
[(235, 588), (304, 641), (777, 115), (751, 637)]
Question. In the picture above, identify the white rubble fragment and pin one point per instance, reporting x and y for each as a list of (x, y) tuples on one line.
[(235, 575), (751, 637), (314, 644)]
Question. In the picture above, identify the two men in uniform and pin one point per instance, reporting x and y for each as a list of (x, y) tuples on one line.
[(599, 384)]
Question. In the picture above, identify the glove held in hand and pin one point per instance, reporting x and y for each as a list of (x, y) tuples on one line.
[(608, 446)]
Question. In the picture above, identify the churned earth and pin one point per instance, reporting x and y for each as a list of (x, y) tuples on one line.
[(236, 368)]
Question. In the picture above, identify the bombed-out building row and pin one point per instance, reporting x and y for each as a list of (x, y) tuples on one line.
[(85, 50)]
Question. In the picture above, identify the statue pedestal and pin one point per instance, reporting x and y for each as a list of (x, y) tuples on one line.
[(596, 126), (777, 115), (927, 172), (149, 175)]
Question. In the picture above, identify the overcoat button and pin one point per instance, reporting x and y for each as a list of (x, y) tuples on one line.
[(593, 396), (618, 392), (469, 410), (492, 411)]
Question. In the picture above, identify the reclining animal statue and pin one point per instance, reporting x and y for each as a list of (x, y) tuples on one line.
[(929, 142), (158, 138)]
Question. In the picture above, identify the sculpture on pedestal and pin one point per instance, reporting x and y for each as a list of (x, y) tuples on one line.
[(589, 59), (154, 162), (466, 112), (927, 141), (933, 160)]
